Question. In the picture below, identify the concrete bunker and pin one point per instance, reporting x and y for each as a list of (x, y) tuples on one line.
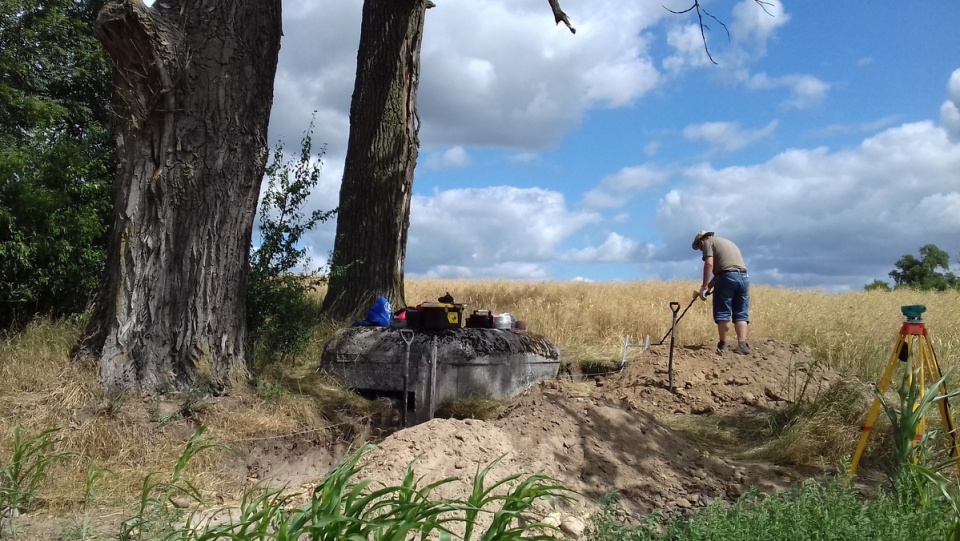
[(444, 364)]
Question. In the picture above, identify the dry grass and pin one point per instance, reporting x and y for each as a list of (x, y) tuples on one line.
[(128, 437), (852, 333), (480, 407), (124, 438)]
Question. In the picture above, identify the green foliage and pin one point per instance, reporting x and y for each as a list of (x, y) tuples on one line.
[(923, 273), (160, 508), (22, 473), (55, 158), (512, 496), (877, 285), (811, 511), (280, 313), (918, 477), (342, 508)]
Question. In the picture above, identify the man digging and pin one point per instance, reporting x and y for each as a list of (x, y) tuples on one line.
[(725, 272)]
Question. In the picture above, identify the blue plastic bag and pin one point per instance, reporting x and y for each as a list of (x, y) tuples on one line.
[(380, 314)]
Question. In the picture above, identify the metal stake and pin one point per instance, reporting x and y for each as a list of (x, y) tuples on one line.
[(433, 378), (407, 336)]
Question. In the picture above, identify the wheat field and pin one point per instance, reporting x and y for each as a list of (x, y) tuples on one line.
[(851, 332)]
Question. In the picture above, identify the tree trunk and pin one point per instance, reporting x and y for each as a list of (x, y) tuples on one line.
[(194, 83), (374, 214)]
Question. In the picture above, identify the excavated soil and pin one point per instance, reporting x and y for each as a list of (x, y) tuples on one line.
[(599, 434)]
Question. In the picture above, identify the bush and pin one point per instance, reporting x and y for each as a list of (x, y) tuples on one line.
[(55, 160), (280, 313)]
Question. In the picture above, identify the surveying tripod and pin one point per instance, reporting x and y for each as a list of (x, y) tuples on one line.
[(913, 348)]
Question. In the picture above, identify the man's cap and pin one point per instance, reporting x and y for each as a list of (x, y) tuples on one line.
[(700, 236)]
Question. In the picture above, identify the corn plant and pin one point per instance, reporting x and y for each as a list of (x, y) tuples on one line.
[(342, 508), (22, 474), (919, 477), (158, 513), (512, 496), (339, 509)]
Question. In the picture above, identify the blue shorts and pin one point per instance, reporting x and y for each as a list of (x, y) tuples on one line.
[(731, 297)]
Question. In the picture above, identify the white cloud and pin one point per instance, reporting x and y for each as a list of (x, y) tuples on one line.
[(484, 227), (504, 271), (834, 130), (727, 136), (753, 25), (750, 27), (950, 110), (805, 90), (537, 79), (688, 49), (451, 158), (815, 214), (524, 157), (615, 249), (616, 190)]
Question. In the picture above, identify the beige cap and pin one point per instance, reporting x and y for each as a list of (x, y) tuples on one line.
[(700, 236)]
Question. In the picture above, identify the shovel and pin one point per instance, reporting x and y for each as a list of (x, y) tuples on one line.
[(675, 307)]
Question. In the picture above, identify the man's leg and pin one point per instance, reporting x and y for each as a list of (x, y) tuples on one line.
[(741, 314), (722, 327), (741, 329)]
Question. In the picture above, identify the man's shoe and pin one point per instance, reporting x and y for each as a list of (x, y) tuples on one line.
[(743, 348), (721, 347)]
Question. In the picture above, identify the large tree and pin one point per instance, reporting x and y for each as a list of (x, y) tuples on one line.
[(370, 245), (374, 214), (923, 273), (194, 85)]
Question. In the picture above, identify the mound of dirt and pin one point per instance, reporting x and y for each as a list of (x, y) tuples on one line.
[(705, 382), (601, 433)]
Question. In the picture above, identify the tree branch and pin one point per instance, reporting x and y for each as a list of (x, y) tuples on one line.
[(559, 16), (764, 5)]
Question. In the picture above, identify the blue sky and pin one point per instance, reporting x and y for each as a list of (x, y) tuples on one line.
[(825, 141)]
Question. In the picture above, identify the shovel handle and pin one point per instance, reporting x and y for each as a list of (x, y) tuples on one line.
[(406, 335)]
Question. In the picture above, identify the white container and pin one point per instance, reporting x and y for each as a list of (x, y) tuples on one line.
[(503, 321)]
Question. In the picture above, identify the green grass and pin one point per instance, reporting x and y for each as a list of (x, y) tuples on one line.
[(342, 508), (811, 511)]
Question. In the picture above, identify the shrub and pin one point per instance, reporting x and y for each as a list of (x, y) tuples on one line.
[(280, 314)]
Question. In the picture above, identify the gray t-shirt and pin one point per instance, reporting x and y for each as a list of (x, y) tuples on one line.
[(726, 255)]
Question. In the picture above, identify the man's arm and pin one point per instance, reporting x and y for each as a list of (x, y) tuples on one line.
[(707, 272)]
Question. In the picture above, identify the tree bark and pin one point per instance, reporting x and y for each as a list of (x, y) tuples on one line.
[(194, 82), (374, 214)]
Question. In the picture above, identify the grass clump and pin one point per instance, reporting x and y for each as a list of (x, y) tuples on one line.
[(22, 473), (476, 406), (810, 511), (820, 429)]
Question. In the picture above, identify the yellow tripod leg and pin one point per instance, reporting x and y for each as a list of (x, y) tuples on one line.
[(875, 408), (922, 389), (943, 405)]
